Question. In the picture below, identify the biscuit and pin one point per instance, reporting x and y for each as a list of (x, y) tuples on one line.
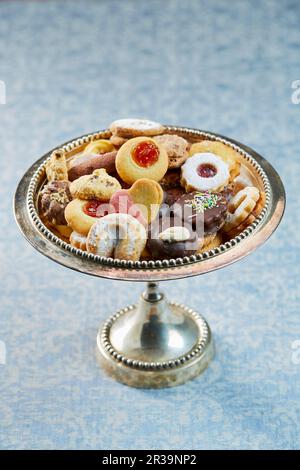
[(228, 154), (85, 164), (204, 172), (148, 195), (81, 215), (99, 146), (135, 127), (78, 241), (240, 207), (141, 157), (99, 185), (117, 235), (56, 167), (211, 242), (176, 148)]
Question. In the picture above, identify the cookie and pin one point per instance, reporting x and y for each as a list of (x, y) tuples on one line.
[(99, 146), (204, 172), (240, 207), (228, 154), (117, 141), (85, 164), (119, 236), (54, 198), (78, 241), (211, 242), (56, 167), (148, 195), (141, 157), (135, 127), (171, 179), (99, 185), (176, 148), (205, 211), (81, 215), (170, 237)]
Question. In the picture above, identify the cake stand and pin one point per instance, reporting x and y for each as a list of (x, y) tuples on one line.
[(155, 343)]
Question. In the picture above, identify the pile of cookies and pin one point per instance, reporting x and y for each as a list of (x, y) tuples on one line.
[(147, 193)]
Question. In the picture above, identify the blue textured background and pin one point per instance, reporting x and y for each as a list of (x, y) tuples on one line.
[(71, 68)]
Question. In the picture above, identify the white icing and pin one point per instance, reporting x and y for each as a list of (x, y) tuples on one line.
[(116, 234), (190, 175), (138, 124)]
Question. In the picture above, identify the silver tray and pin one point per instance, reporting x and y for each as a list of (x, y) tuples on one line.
[(132, 360)]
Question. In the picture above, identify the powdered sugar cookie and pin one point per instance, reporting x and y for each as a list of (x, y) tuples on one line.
[(78, 241), (117, 235)]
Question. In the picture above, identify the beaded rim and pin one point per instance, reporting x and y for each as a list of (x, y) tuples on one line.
[(197, 350), (39, 175)]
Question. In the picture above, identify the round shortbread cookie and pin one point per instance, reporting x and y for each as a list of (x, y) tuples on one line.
[(135, 127)]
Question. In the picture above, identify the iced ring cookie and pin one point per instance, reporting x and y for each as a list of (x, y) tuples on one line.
[(241, 206), (228, 154), (117, 235), (135, 127), (99, 185), (204, 172), (176, 148), (56, 167), (141, 157), (81, 215)]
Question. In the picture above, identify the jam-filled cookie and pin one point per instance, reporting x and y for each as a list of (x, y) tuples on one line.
[(56, 167), (117, 235), (81, 214), (176, 148), (204, 172), (135, 127), (99, 185), (228, 154), (141, 157)]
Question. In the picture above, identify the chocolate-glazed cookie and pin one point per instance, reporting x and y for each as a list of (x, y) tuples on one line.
[(203, 210), (170, 237), (53, 199)]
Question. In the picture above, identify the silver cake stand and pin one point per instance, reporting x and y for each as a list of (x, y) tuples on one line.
[(155, 343)]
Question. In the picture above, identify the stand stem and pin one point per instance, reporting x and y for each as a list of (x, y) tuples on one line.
[(151, 293)]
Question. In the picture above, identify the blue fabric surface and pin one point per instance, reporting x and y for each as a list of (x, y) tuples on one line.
[(73, 67)]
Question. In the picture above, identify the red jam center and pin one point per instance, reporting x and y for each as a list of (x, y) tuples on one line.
[(206, 170), (92, 208), (145, 154)]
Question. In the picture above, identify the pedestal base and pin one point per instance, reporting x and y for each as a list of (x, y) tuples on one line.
[(154, 344)]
